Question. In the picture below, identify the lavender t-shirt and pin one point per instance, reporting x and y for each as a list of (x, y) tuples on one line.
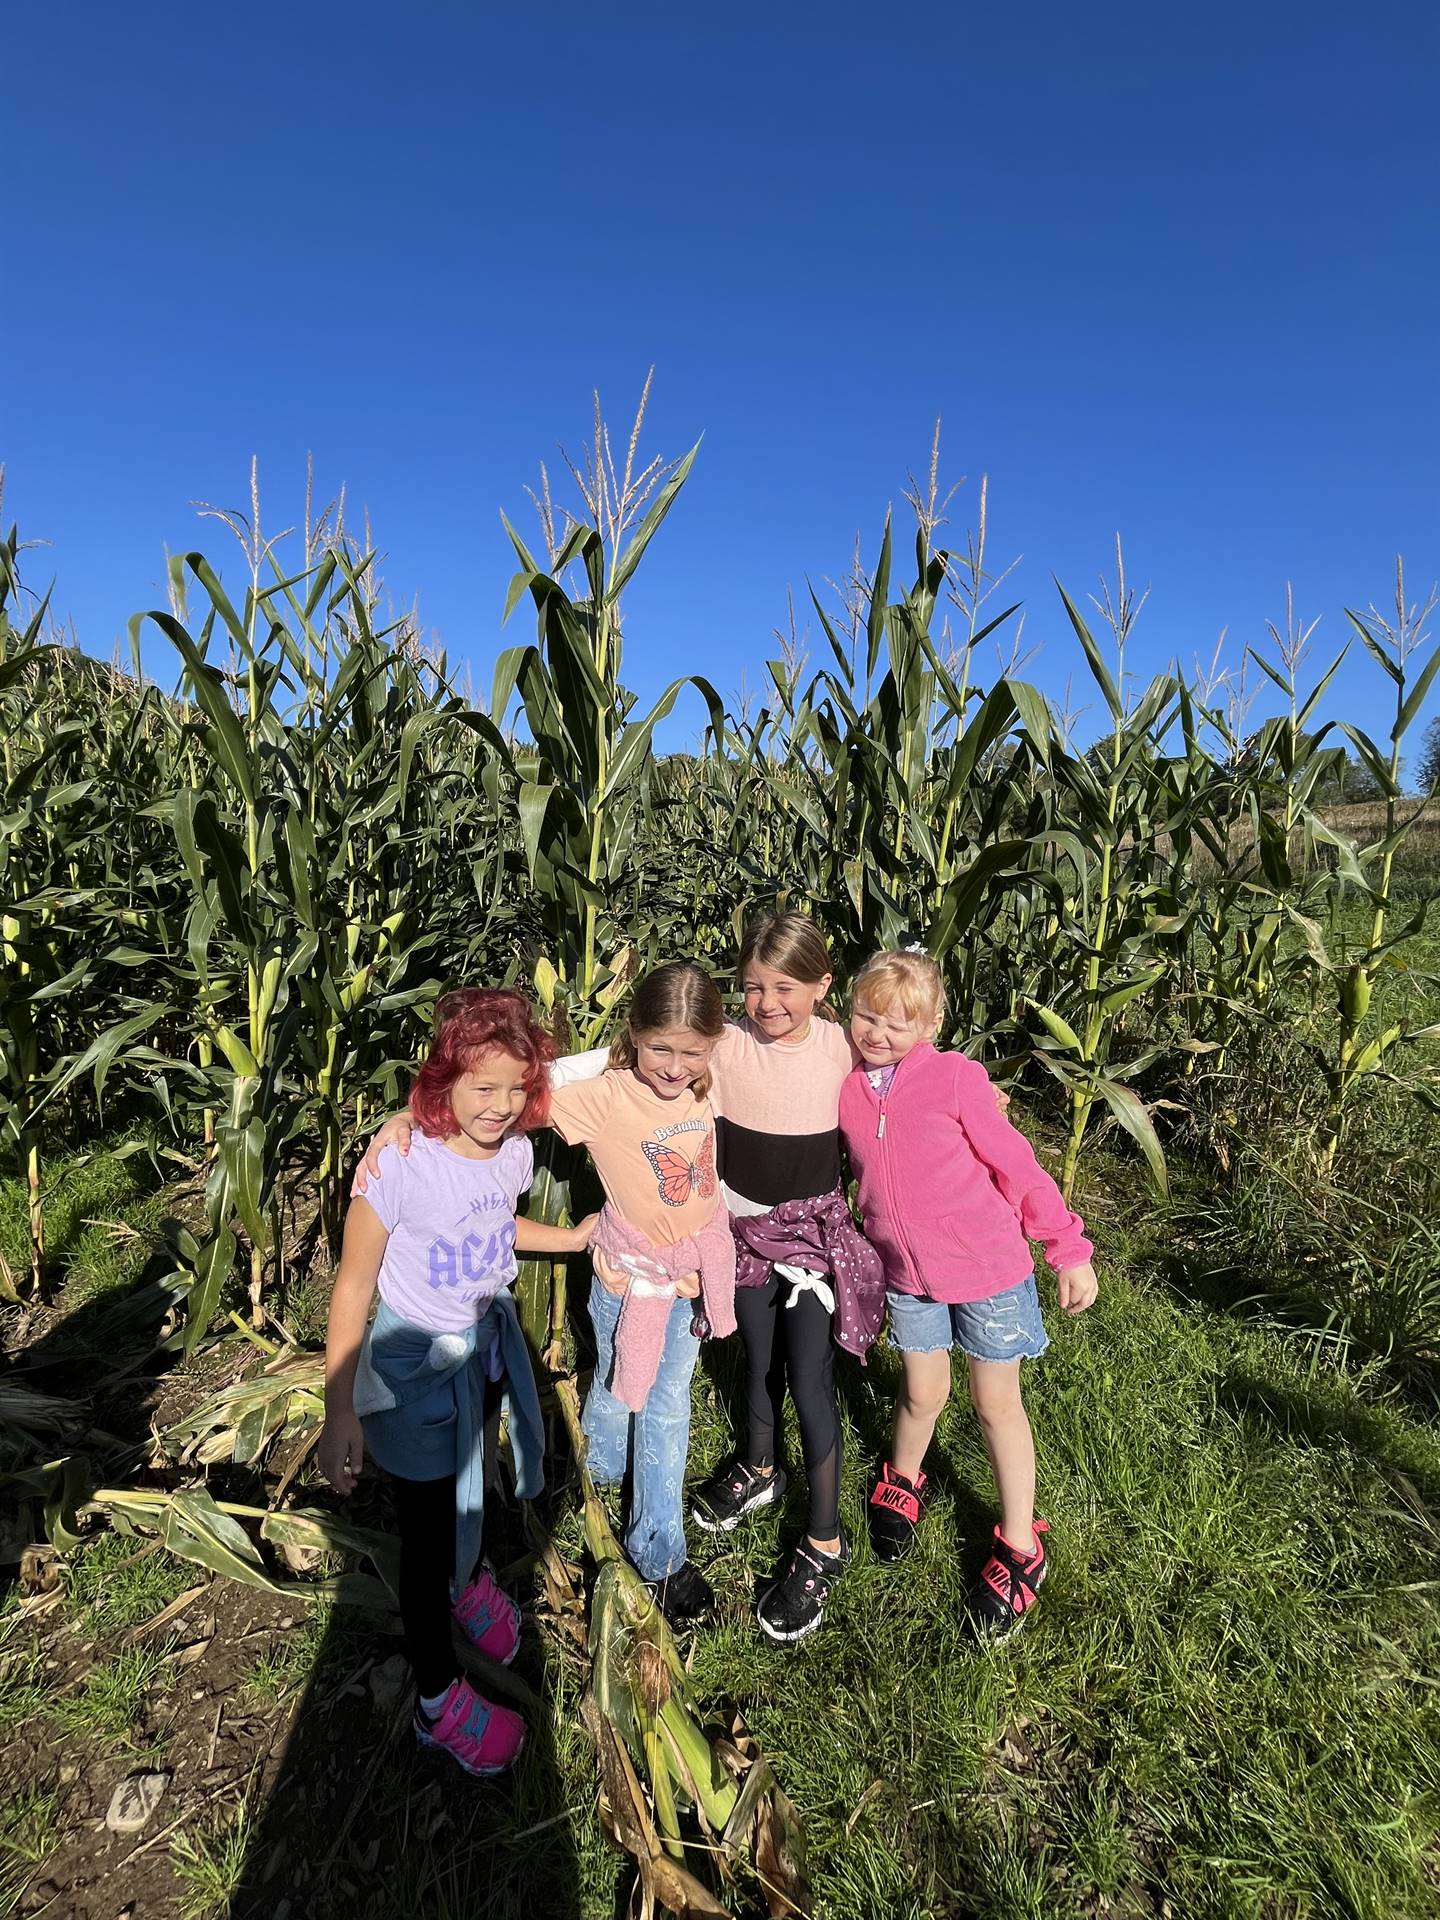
[(451, 1222)]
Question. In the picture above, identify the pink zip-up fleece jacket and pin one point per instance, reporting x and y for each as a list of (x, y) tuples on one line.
[(949, 1190)]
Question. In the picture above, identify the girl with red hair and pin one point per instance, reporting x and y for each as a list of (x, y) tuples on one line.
[(436, 1232)]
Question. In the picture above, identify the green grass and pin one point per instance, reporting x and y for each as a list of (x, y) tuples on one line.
[(112, 1697), (22, 1665), (314, 1647), (210, 1864), (1228, 1696), (102, 1216), (119, 1582), (29, 1828)]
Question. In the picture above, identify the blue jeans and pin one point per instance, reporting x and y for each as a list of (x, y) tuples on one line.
[(1004, 1326), (655, 1441)]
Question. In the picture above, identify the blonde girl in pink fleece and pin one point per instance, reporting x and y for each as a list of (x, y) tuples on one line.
[(951, 1193)]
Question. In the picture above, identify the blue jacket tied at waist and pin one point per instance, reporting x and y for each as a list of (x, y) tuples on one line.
[(421, 1396)]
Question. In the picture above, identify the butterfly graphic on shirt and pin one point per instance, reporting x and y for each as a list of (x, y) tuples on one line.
[(680, 1178)]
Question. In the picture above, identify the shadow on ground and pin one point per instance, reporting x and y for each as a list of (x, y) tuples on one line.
[(310, 1796)]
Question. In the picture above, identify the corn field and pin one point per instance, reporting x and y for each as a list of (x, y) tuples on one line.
[(230, 904)]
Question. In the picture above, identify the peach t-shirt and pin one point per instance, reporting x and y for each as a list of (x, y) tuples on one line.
[(655, 1158)]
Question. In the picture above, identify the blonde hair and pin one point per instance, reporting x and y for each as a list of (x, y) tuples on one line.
[(793, 945), (910, 981), (676, 994)]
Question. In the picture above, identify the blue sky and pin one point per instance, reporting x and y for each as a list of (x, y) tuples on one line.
[(1166, 271)]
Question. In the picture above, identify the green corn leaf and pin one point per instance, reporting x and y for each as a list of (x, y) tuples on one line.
[(630, 559), (242, 1156), (1035, 719), (1271, 673), (1371, 1054), (212, 1269), (16, 664), (1416, 697), (1058, 1028), (69, 1488), (220, 600), (211, 851), (1121, 996), (100, 1056), (1318, 691), (1098, 668), (1129, 1110), (534, 805), (1377, 764), (226, 734), (1374, 647), (879, 593)]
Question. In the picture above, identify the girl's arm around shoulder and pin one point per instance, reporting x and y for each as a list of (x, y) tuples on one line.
[(1038, 1203), (537, 1236), (342, 1445), (836, 1043), (571, 1068), (580, 1111)]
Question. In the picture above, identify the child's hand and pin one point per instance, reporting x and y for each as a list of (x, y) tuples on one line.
[(614, 1279), (342, 1452), (1078, 1288), (1002, 1099), (395, 1133), (581, 1231), (688, 1288)]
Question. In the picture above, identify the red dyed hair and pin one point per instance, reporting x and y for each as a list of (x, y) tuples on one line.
[(470, 1023)]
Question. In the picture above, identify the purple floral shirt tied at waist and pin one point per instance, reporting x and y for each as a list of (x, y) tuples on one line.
[(645, 1309), (820, 1236)]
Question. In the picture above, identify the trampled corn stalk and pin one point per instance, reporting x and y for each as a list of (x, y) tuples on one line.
[(646, 1728)]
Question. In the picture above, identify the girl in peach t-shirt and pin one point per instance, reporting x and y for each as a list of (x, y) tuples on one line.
[(664, 1261)]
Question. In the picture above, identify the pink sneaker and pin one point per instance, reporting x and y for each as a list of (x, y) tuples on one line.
[(478, 1736), (489, 1619)]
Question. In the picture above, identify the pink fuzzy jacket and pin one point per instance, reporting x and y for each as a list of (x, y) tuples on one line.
[(949, 1190), (645, 1309)]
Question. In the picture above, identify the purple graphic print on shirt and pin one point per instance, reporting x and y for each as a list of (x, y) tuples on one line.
[(451, 1222)]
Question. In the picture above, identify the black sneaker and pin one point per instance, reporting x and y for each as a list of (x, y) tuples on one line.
[(684, 1595), (795, 1605), (1009, 1585), (894, 1510), (734, 1489)]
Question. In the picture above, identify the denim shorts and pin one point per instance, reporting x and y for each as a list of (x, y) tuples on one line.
[(1006, 1326)]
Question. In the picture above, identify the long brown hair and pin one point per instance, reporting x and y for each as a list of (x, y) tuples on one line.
[(791, 943), (676, 994)]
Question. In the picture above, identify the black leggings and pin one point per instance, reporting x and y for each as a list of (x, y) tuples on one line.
[(792, 1345), (425, 1517), (425, 1513)]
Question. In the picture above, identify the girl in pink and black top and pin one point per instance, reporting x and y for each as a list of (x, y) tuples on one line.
[(951, 1192), (806, 1280)]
